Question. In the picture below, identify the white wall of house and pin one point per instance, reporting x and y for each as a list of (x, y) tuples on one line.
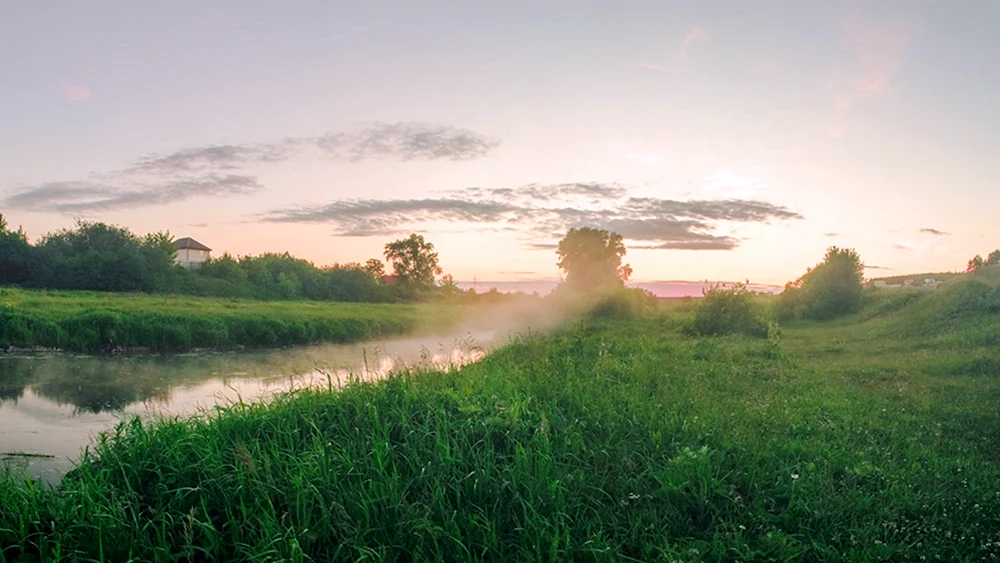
[(190, 258)]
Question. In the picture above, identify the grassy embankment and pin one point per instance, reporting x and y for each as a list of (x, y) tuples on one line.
[(91, 322), (876, 437)]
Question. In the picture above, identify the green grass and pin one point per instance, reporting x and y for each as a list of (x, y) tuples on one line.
[(90, 321), (863, 439)]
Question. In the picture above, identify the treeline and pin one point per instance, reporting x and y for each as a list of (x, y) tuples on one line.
[(101, 257), (977, 262)]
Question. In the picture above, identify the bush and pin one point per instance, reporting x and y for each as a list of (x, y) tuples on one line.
[(970, 298), (625, 304), (728, 310), (832, 288)]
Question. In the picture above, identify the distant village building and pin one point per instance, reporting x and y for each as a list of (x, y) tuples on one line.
[(880, 283), (931, 282), (191, 253)]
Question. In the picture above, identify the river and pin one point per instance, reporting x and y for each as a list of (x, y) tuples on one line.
[(52, 405)]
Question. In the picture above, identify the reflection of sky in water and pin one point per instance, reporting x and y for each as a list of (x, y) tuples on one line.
[(55, 404)]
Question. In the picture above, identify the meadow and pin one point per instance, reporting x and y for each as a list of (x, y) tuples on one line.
[(617, 437), (83, 321)]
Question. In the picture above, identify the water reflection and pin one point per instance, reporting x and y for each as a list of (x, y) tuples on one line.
[(53, 405)]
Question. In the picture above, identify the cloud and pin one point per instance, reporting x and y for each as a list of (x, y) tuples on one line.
[(694, 34), (541, 246), (877, 52), (379, 141), (680, 60), (935, 232), (218, 170), (721, 243), (542, 213), (406, 142), (867, 267), (831, 234), (213, 157), (900, 247), (80, 197), (76, 93), (651, 66), (548, 192)]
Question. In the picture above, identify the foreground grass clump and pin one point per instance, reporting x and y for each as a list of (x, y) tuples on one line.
[(609, 441), (93, 322)]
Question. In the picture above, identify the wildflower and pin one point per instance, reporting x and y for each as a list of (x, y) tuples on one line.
[(795, 476)]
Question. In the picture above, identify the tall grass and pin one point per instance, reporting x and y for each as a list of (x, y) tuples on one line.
[(608, 441), (92, 322)]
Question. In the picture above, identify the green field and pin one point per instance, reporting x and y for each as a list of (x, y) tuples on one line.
[(92, 322), (876, 437)]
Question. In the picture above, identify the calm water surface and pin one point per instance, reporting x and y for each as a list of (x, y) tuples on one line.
[(53, 405)]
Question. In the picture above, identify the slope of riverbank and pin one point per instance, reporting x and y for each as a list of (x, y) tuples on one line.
[(110, 322), (609, 440)]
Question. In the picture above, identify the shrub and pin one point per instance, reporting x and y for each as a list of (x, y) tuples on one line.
[(832, 288), (624, 303), (728, 310)]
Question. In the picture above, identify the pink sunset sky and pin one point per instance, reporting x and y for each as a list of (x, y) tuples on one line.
[(723, 140)]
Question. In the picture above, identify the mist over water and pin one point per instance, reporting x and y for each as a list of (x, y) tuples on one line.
[(52, 405), (663, 288)]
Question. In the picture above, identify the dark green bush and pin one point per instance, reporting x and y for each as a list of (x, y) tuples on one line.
[(624, 303), (728, 310), (832, 288)]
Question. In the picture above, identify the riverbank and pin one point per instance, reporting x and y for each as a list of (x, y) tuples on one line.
[(94, 322), (609, 440)]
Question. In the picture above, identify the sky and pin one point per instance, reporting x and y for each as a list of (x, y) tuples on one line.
[(724, 140)]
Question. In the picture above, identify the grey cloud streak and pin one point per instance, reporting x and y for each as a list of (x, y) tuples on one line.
[(404, 142), (653, 223), (81, 197), (216, 170)]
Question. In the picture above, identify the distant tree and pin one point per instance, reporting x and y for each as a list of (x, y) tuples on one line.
[(831, 288), (592, 259), (374, 268), (994, 258), (101, 257), (414, 262), (448, 286), (15, 255), (975, 264)]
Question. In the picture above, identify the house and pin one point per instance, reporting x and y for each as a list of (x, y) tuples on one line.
[(191, 253)]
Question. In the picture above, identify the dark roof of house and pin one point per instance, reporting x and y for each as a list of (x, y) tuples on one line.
[(188, 242)]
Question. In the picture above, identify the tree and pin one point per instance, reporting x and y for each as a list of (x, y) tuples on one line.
[(374, 268), (975, 264), (592, 259), (15, 255), (994, 258), (833, 287), (414, 262)]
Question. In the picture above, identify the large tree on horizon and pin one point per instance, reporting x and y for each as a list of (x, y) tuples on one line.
[(592, 259), (414, 262)]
